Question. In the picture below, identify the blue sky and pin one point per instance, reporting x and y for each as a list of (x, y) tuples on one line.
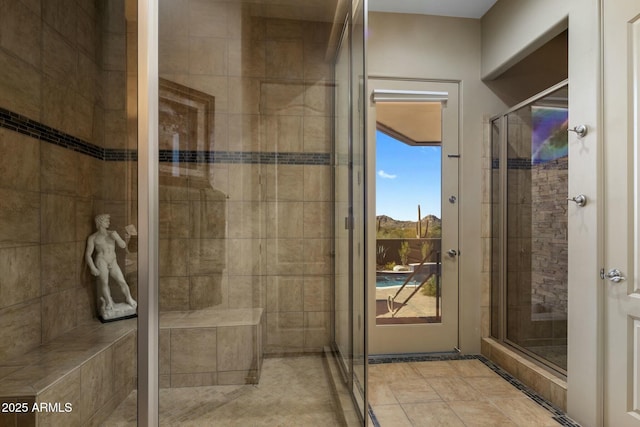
[(406, 177)]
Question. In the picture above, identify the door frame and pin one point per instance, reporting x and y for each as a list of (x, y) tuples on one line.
[(388, 341)]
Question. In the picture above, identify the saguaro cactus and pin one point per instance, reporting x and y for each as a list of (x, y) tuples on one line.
[(404, 252)]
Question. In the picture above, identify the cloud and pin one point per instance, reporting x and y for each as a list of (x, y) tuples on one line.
[(383, 174)]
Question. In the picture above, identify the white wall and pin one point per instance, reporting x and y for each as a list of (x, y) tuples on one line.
[(443, 48), (510, 30)]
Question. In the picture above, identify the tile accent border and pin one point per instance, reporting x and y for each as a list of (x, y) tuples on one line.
[(245, 157), (18, 123), (524, 163), (374, 419), (557, 413)]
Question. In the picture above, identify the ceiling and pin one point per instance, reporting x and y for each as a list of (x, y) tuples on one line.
[(410, 122), (459, 8)]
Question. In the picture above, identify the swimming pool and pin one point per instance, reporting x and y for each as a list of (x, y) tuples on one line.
[(394, 279), (386, 281), (390, 279)]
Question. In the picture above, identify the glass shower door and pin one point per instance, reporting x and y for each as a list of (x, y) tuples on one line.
[(342, 205), (531, 273), (246, 204), (349, 291), (358, 129)]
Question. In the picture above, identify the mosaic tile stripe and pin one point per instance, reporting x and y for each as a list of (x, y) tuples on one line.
[(374, 419), (245, 157), (120, 155), (522, 163), (26, 126), (557, 413)]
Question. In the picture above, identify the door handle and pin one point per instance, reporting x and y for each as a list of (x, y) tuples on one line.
[(580, 130), (580, 200), (615, 275), (452, 253)]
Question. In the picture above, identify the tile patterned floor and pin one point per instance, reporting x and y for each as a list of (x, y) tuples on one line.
[(296, 391), (293, 391), (468, 392)]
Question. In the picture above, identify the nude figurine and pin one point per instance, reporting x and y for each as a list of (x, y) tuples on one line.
[(103, 242)]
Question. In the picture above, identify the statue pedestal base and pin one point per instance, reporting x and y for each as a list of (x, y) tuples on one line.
[(120, 311)]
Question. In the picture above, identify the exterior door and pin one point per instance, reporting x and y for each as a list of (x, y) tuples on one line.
[(412, 204), (622, 212)]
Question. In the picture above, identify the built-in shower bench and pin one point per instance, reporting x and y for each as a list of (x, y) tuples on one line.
[(76, 379), (82, 376), (211, 347)]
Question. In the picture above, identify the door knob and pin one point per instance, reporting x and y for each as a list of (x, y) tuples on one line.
[(452, 253), (580, 130), (615, 275)]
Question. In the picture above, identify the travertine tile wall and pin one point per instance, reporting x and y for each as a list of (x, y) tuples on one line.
[(272, 88), (58, 66)]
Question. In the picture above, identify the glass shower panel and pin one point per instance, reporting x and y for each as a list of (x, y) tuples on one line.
[(536, 228), (496, 231), (358, 125), (342, 213), (246, 202), (212, 209)]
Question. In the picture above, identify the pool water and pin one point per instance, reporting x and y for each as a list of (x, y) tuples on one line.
[(393, 283), (390, 280)]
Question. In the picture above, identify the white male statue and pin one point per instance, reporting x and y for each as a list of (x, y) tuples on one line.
[(105, 265)]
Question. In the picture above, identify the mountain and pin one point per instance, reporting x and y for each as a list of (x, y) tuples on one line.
[(388, 227)]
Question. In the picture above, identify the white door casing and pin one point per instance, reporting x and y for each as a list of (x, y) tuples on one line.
[(419, 338), (621, 108)]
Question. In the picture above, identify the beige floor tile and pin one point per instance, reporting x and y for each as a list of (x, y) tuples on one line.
[(525, 412), (480, 414), (471, 368), (391, 416), (392, 371), (434, 369), (414, 391), (431, 414), (380, 394), (494, 387), (454, 389)]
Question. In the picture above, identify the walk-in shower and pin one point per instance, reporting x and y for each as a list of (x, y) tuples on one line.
[(529, 177), (226, 202)]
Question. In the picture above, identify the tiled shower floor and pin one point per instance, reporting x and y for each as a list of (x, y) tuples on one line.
[(293, 391)]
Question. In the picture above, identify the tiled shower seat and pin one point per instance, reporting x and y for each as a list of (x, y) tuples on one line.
[(93, 367), (84, 374), (210, 347)]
